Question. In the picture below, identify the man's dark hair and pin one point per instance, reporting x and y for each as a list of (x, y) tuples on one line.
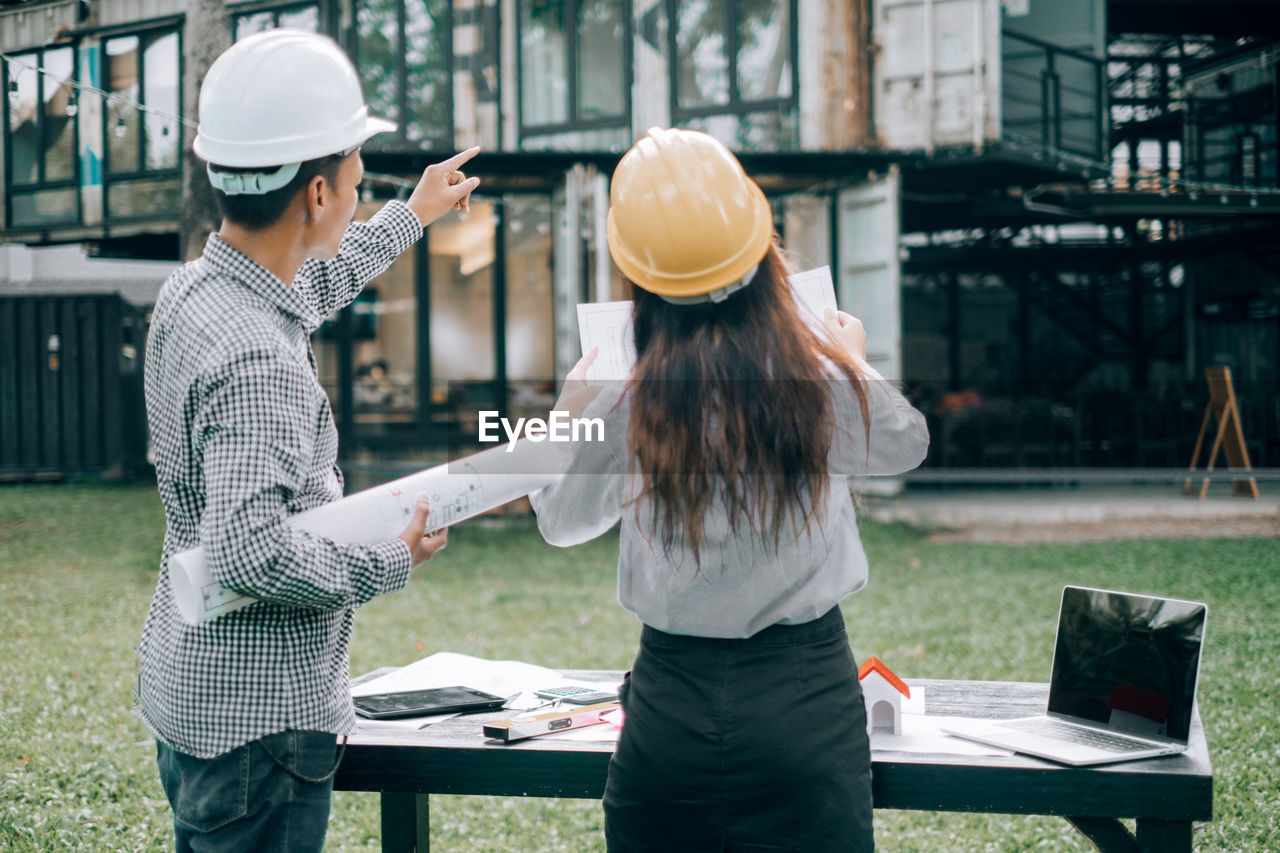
[(256, 212)]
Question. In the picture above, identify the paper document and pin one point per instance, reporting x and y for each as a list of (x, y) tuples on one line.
[(814, 292), (458, 490), (607, 325), (448, 669)]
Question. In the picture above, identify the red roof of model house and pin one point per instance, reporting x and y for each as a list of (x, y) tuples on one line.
[(874, 664)]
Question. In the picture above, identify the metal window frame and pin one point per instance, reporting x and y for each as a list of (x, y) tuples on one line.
[(443, 142), (575, 122), (736, 105), (41, 184), (140, 173)]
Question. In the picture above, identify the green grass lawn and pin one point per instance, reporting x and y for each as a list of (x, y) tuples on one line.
[(78, 564)]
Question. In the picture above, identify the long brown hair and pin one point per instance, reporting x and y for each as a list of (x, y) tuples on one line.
[(733, 398)]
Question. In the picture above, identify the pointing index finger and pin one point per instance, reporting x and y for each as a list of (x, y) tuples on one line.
[(458, 159)]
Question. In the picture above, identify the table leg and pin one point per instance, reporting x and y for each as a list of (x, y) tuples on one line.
[(1107, 834), (406, 823), (1162, 835)]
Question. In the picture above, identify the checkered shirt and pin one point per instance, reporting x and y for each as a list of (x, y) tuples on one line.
[(243, 438)]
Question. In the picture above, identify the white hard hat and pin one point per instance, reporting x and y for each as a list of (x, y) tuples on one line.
[(276, 99)]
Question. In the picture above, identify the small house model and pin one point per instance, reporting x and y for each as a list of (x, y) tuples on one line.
[(882, 692)]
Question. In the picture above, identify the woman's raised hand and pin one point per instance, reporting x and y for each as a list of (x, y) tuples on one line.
[(846, 330), (576, 394)]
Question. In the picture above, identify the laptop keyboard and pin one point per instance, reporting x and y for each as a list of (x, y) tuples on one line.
[(1081, 735)]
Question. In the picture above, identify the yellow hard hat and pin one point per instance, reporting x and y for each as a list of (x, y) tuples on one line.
[(685, 221)]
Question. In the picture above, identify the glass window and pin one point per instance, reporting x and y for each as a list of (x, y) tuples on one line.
[(702, 67), (574, 64), (544, 73), (144, 197), (40, 136), (59, 119), (383, 325), (733, 71), (404, 52), (377, 21), (254, 23), (45, 206), (530, 326), (163, 136), (142, 124), (122, 113), (461, 314), (601, 36), (23, 143), (764, 52), (385, 346), (142, 113), (427, 36), (776, 130), (303, 17), (42, 109), (477, 73)]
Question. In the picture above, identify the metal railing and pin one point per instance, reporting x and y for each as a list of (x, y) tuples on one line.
[(1054, 96)]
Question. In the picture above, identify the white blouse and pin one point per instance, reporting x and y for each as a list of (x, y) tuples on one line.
[(744, 583)]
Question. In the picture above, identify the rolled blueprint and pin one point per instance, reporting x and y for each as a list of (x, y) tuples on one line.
[(458, 490)]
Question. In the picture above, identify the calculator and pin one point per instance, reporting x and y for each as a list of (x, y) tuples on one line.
[(575, 695), (565, 692)]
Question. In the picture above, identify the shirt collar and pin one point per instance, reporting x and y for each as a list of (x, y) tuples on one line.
[(232, 262)]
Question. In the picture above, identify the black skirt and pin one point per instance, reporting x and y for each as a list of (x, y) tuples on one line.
[(742, 745)]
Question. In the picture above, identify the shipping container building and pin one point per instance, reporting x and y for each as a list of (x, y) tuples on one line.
[(1051, 215)]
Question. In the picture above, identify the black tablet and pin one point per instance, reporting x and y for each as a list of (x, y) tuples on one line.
[(424, 703)]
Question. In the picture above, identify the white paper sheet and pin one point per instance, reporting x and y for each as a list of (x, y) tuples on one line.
[(508, 678), (449, 669), (814, 292), (607, 325)]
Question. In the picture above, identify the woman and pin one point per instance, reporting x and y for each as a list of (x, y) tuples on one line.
[(727, 457)]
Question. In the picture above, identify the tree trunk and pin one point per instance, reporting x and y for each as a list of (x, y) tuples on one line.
[(205, 35)]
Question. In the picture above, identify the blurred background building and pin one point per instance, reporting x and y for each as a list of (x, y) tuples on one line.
[(1051, 215)]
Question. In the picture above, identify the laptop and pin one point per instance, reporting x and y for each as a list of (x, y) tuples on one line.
[(1123, 686)]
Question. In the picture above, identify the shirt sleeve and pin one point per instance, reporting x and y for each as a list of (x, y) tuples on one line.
[(586, 500), (897, 440), (367, 249), (252, 430)]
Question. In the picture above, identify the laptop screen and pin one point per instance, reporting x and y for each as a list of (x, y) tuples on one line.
[(1127, 661)]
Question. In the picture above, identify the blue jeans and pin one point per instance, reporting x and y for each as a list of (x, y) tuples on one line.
[(271, 794)]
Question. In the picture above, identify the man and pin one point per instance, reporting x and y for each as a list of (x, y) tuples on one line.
[(247, 709)]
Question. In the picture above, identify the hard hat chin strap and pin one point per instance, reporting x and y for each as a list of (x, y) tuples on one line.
[(252, 183), (718, 295)]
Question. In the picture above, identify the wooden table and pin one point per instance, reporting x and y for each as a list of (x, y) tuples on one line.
[(1164, 795)]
